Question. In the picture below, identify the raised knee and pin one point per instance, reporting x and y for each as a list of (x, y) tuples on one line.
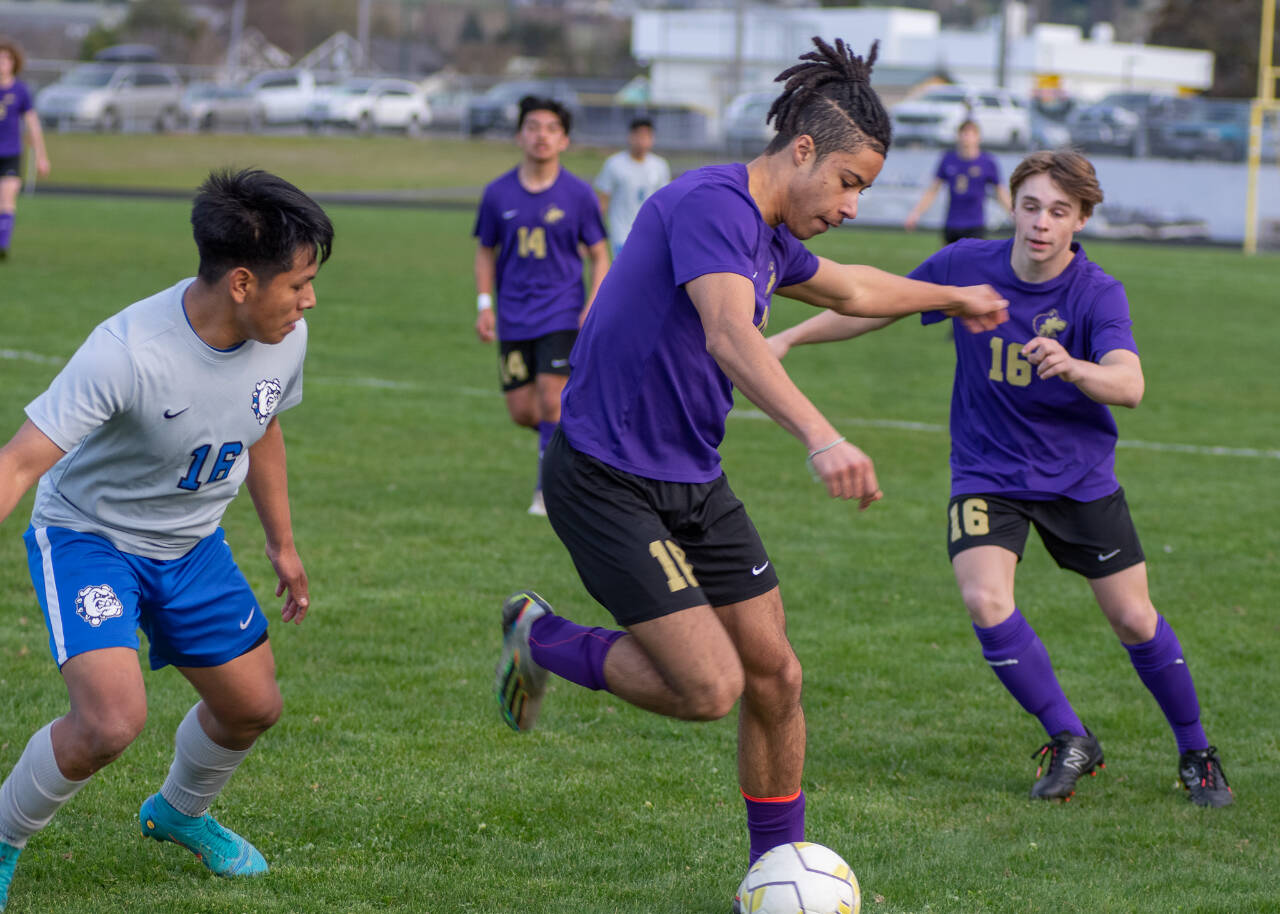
[(1135, 625), (263, 715), (714, 700)]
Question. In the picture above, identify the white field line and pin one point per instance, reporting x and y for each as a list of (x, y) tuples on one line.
[(1199, 450)]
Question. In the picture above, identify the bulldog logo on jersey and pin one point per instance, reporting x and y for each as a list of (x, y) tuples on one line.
[(266, 397), (552, 214), (1048, 324), (97, 604)]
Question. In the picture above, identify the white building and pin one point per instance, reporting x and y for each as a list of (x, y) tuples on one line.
[(704, 57)]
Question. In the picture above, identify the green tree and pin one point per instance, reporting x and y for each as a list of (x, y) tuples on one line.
[(1229, 29)]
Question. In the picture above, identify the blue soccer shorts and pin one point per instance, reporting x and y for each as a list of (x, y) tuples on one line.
[(196, 611)]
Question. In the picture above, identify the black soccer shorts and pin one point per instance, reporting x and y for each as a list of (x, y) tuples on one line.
[(645, 548), (11, 166), (1093, 538), (520, 361)]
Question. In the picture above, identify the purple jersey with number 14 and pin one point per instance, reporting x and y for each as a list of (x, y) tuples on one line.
[(644, 395), (1013, 433), (539, 268)]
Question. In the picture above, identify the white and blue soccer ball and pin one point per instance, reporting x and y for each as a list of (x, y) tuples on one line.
[(799, 878)]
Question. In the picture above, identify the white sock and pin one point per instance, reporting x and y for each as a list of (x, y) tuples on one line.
[(200, 769), (34, 790)]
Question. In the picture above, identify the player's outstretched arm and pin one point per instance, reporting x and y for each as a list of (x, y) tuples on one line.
[(827, 327), (725, 303), (1115, 379), (268, 482), (486, 271), (27, 456), (922, 207), (865, 291)]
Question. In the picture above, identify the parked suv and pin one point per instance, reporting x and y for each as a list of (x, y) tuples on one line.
[(108, 96), (1195, 128), (936, 115), (285, 96), (498, 108), (1119, 122)]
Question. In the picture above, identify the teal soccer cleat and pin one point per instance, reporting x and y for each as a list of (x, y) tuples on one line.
[(8, 861), (218, 848)]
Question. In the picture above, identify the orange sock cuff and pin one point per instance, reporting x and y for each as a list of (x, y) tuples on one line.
[(791, 799)]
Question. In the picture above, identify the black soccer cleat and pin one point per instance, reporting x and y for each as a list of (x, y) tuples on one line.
[(1070, 757), (1201, 774)]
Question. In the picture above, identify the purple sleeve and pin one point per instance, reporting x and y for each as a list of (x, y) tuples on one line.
[(799, 264), (940, 172), (1110, 327), (486, 228), (935, 270), (711, 231), (592, 228)]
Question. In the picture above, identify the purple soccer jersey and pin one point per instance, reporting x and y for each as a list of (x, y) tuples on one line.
[(1013, 433), (15, 101), (539, 268), (967, 180), (644, 395)]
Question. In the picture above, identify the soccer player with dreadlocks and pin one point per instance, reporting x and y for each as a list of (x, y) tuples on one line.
[(632, 479)]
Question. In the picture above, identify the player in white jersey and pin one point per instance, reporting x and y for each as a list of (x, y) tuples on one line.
[(628, 178), (139, 444)]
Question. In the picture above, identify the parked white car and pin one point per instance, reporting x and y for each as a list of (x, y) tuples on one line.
[(934, 116), (372, 103), (107, 96), (285, 96), (746, 133)]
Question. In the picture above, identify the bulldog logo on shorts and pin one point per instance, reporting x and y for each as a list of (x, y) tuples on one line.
[(266, 397), (97, 604)]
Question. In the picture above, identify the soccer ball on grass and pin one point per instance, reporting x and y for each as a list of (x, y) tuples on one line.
[(799, 878)]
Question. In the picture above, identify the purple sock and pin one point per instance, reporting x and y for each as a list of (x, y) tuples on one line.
[(1162, 670), (545, 431), (6, 230), (1021, 663), (772, 821), (571, 651)]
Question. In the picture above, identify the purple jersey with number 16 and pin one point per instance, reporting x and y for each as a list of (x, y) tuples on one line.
[(539, 268), (1013, 433), (644, 395)]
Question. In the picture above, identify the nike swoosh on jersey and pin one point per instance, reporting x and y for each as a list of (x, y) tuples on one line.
[(511, 214), (247, 620), (169, 415), (1110, 555)]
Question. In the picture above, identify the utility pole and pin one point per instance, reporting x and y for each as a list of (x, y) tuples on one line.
[(1002, 45), (232, 66), (363, 15)]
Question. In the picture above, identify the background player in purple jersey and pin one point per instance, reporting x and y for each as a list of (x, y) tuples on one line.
[(531, 224), (16, 112), (1033, 444), (966, 171), (633, 481)]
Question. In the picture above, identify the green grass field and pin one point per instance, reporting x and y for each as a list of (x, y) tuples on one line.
[(391, 785)]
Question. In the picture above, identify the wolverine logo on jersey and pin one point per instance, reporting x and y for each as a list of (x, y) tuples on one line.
[(552, 214), (97, 604), (1048, 324), (266, 397)]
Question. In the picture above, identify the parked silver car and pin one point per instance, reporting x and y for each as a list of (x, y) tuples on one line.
[(108, 97), (207, 106)]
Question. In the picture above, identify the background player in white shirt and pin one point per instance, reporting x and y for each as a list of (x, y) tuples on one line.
[(139, 444), (628, 178)]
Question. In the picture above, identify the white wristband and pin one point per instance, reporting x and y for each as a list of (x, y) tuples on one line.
[(484, 301), (815, 452)]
